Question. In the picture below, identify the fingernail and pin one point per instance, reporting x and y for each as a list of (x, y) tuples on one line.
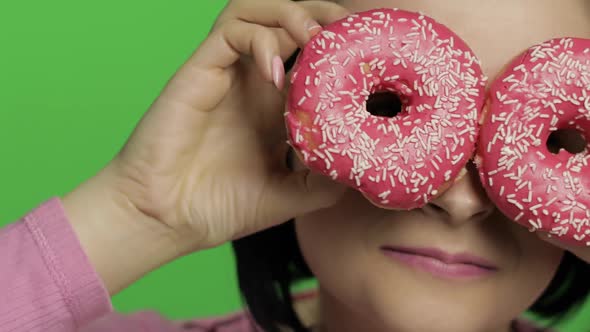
[(313, 27), (278, 72)]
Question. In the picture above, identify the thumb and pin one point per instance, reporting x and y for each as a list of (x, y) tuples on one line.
[(301, 192)]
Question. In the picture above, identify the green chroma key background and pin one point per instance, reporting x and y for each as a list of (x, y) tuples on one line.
[(75, 77)]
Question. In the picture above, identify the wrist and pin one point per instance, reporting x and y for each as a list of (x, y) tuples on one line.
[(122, 243)]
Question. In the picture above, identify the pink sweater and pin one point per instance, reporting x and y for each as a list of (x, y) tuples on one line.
[(48, 284)]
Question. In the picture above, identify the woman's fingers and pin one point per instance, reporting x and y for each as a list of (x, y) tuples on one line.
[(324, 12), (299, 20), (286, 14), (243, 38), (267, 31)]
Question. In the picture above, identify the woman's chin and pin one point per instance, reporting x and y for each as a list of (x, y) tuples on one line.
[(431, 320), (426, 311)]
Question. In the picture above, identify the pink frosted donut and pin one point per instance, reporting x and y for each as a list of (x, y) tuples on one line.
[(545, 89), (405, 160)]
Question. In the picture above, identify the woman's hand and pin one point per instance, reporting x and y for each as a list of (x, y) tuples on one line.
[(206, 163), (208, 158)]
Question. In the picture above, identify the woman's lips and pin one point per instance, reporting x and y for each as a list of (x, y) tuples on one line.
[(441, 263)]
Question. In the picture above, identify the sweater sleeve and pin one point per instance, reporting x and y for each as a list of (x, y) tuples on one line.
[(47, 282)]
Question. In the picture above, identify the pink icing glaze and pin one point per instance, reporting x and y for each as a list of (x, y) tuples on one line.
[(397, 162), (544, 89)]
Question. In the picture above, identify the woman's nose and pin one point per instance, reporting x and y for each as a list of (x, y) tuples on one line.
[(465, 200)]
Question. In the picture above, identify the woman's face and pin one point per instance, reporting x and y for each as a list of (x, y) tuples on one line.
[(362, 289)]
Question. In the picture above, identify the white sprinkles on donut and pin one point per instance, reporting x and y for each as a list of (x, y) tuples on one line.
[(396, 162), (545, 89)]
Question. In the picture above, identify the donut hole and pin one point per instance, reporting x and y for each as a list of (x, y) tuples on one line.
[(569, 139), (384, 103)]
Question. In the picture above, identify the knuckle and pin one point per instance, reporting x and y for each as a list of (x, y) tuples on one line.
[(228, 25), (264, 37), (326, 8), (221, 30), (295, 12)]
